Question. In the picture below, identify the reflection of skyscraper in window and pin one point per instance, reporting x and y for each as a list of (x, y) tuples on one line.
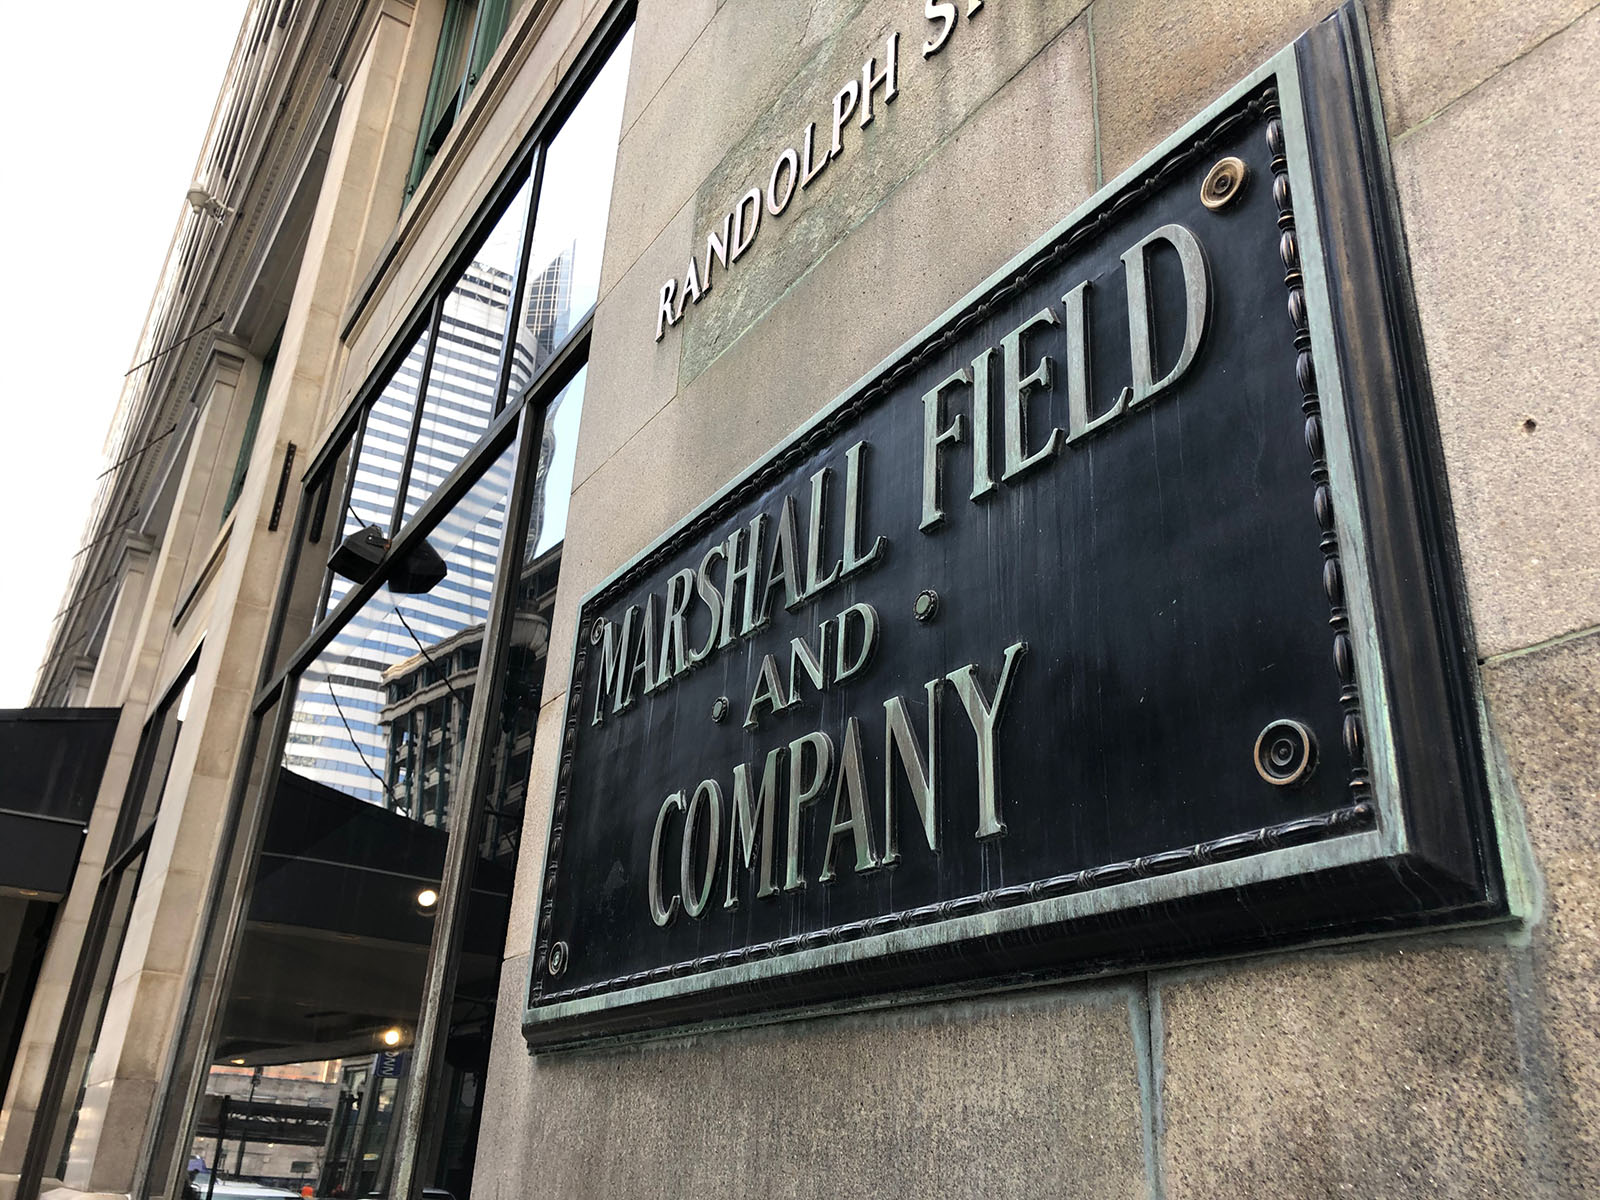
[(546, 315), (339, 735)]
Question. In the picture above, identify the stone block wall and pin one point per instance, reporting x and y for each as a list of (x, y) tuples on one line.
[(1452, 1064)]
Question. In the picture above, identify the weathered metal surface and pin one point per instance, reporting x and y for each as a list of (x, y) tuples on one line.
[(1110, 621)]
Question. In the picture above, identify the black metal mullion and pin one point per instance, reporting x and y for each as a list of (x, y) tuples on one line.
[(420, 1117), (397, 515), (137, 846), (519, 282)]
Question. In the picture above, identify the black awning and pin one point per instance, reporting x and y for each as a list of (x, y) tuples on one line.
[(51, 760)]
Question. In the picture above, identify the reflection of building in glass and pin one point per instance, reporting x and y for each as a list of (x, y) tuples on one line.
[(274, 1127), (338, 735), (550, 304), (428, 698), (546, 317), (352, 729)]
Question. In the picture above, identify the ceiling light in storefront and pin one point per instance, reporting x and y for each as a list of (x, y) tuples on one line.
[(391, 1037), (427, 898)]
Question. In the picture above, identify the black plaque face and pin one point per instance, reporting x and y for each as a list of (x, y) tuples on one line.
[(1093, 629)]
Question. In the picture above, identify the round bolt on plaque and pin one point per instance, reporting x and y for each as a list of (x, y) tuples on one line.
[(926, 605), (719, 709), (1224, 183), (1286, 753), (558, 959)]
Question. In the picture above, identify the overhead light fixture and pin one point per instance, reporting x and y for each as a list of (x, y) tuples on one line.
[(202, 201), (359, 554), (391, 1037), (420, 571), (426, 899), (238, 1062)]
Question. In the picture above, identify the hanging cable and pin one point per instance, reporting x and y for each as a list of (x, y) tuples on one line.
[(136, 453), (431, 661), (160, 353), (356, 746)]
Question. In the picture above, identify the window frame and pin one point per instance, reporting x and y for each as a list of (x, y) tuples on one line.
[(272, 704), (448, 92)]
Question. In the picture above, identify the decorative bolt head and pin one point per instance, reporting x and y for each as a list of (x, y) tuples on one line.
[(1224, 183), (1285, 753), (557, 964), (926, 605), (719, 709), (597, 631)]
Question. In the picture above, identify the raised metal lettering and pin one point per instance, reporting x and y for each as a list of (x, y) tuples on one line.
[(784, 566), (694, 901), (985, 716), (1196, 292), (1017, 386), (644, 662), (691, 287), (889, 77), (854, 560), (744, 234), (815, 580), (623, 696), (982, 480), (1078, 360), (745, 573), (612, 650), (843, 105), (868, 616), (801, 793), (666, 316), (852, 788), (674, 638), (813, 662), (717, 243), (936, 10), (932, 438), (774, 205), (768, 691), (742, 829), (807, 152), (921, 773), (662, 913), (712, 599)]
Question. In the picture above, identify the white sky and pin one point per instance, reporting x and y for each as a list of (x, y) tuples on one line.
[(109, 103)]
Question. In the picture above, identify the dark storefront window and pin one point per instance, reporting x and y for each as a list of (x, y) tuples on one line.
[(355, 970), (74, 1090)]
